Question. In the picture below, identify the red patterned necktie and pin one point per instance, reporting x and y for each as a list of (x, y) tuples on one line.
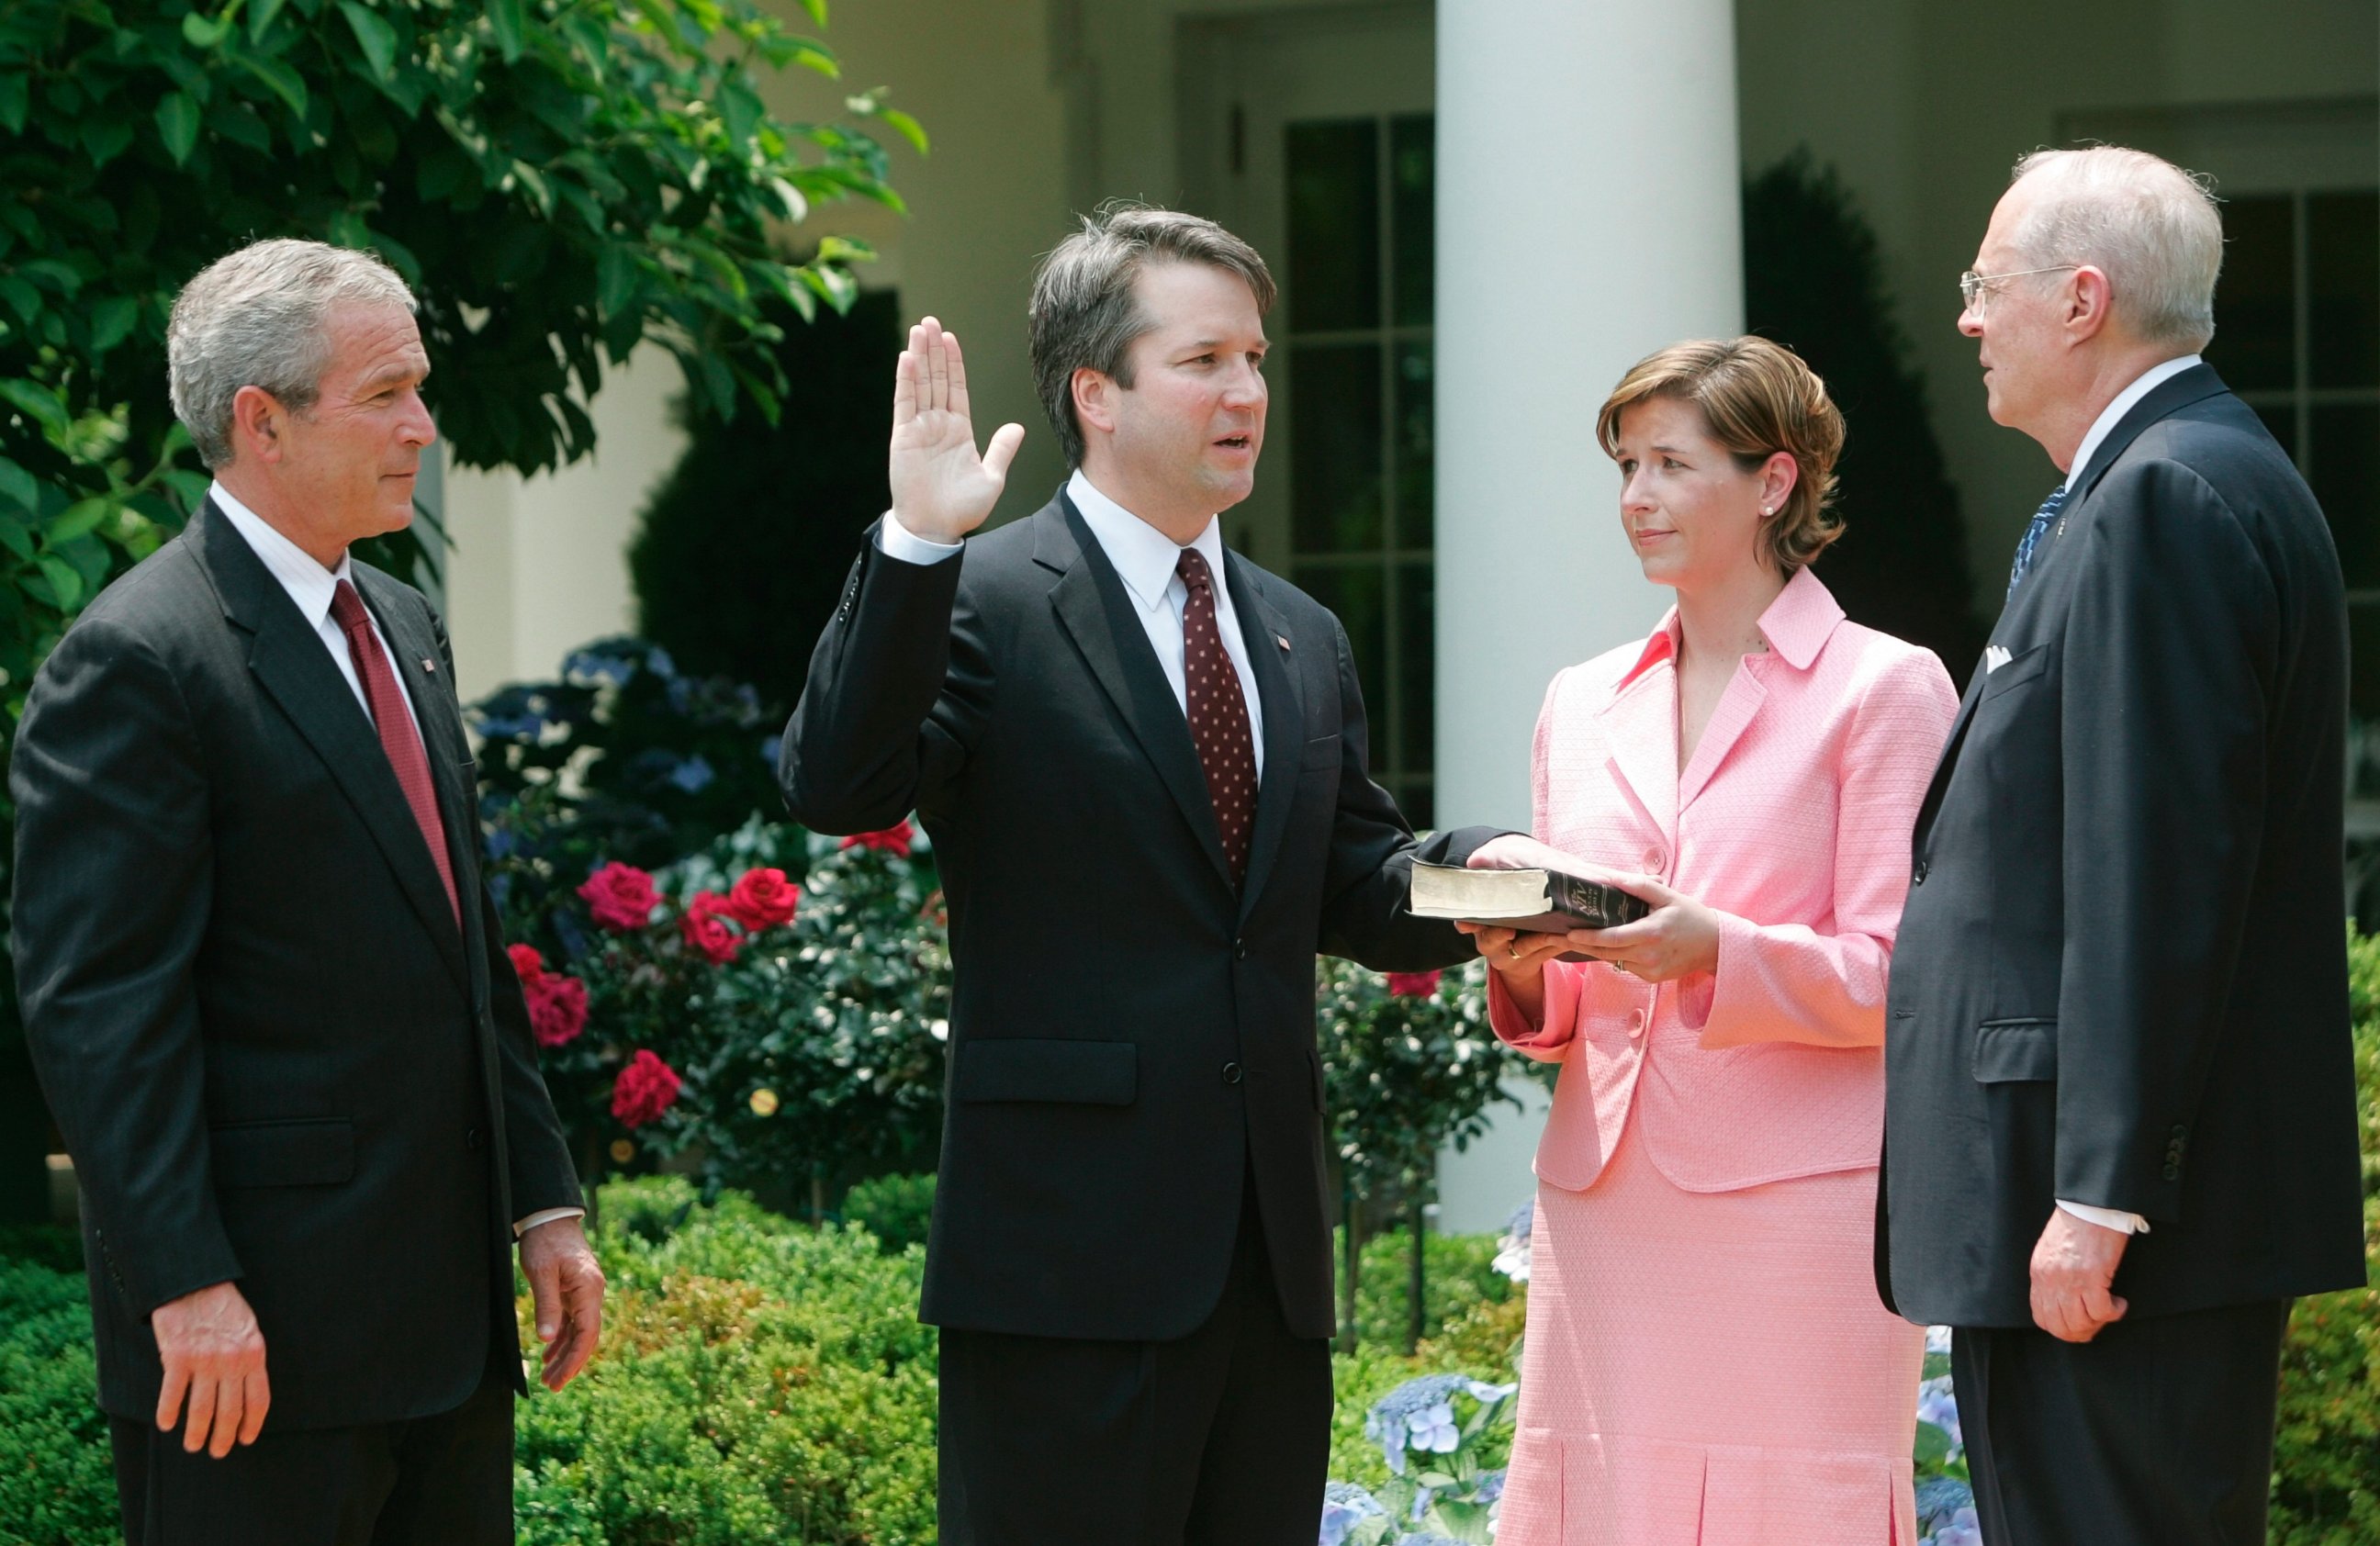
[(398, 736), (1219, 714)]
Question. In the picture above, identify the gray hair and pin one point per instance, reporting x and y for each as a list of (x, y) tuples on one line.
[(258, 318), (2151, 227), (1083, 313)]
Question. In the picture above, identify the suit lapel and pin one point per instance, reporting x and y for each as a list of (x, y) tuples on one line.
[(295, 670), (1264, 637), (1096, 614), (1640, 725), (415, 649), (1737, 708)]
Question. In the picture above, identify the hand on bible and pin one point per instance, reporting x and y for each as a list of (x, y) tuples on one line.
[(214, 1355), (942, 488)]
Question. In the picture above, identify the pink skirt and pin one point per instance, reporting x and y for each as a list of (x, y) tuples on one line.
[(1711, 1369)]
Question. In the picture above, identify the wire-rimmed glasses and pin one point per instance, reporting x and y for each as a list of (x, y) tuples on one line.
[(1972, 291)]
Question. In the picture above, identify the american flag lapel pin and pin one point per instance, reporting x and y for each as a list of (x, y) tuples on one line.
[(428, 665), (1282, 640)]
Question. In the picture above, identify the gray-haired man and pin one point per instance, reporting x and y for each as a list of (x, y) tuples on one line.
[(1142, 761), (261, 983), (2119, 1110)]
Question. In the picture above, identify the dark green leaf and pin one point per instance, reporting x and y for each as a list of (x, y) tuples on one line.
[(260, 17), (18, 485), (15, 97), (65, 584), (374, 36), (205, 32), (111, 323), (177, 125), (615, 279), (53, 275), (284, 82), (104, 138), (77, 520), (38, 401), (22, 298), (504, 20), (14, 538)]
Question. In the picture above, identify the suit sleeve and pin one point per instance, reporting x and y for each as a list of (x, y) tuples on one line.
[(898, 692), (1369, 878), (538, 1156), (1791, 981), (115, 872), (2168, 658)]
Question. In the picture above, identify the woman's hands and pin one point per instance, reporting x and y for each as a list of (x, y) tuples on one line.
[(1677, 938)]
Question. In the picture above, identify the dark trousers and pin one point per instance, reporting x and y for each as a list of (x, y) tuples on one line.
[(441, 1481), (1219, 1438), (2157, 1433)]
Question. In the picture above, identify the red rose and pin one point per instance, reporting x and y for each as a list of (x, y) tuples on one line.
[(646, 1088), (894, 839), (527, 963), (557, 1010), (762, 899), (622, 897), (1412, 985), (707, 929)]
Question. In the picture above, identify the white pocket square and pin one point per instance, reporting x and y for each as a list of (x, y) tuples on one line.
[(1994, 659)]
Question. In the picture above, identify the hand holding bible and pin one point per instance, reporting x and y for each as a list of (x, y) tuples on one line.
[(942, 488)]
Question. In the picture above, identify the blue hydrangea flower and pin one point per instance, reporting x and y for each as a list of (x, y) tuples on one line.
[(1939, 1499), (1937, 1339), (693, 775), (1963, 1529), (601, 667), (1938, 1404), (1513, 1250), (1488, 1487), (1418, 1415), (1344, 1505)]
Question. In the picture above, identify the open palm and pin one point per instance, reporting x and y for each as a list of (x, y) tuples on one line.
[(942, 488)]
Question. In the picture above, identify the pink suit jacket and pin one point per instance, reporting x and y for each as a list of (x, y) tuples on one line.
[(1793, 822)]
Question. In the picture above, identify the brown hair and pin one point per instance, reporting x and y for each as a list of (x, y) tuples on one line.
[(1758, 399)]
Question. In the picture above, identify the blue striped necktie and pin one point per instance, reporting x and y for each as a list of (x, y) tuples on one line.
[(2041, 520)]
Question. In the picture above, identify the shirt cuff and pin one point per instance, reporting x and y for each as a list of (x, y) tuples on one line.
[(2106, 1218), (545, 1215), (897, 541)]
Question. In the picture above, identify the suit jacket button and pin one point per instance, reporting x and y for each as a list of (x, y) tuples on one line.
[(1239, 950), (472, 1139), (1917, 876), (1232, 1073), (2181, 1133), (1635, 1023), (2172, 1173)]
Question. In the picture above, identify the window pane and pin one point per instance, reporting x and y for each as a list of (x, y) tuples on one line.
[(2363, 660), (1416, 462), (1355, 593), (2255, 317), (2343, 288), (1334, 225), (2283, 422), (1416, 641), (2345, 473), (1334, 447), (1413, 152)]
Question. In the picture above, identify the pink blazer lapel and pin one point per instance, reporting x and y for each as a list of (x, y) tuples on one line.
[(1737, 708), (1640, 725)]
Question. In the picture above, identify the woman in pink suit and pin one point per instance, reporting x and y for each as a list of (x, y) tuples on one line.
[(1707, 1361)]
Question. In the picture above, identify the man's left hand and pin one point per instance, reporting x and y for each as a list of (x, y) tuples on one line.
[(567, 1285), (2074, 1277)]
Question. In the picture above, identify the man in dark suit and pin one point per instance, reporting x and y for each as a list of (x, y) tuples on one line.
[(1142, 761), (263, 985), (2119, 1118)]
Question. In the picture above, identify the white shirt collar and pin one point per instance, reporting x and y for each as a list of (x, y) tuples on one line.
[(309, 583), (1144, 557), (2113, 414)]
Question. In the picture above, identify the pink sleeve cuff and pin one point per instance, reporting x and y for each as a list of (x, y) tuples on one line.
[(1545, 1039)]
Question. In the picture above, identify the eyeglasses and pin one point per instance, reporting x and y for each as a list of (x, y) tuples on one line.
[(1971, 283)]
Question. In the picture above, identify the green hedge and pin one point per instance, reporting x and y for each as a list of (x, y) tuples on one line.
[(56, 1485)]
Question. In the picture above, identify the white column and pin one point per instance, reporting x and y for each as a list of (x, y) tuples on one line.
[(1588, 213)]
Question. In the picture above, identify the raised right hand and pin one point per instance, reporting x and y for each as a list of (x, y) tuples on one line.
[(214, 1354), (942, 489)]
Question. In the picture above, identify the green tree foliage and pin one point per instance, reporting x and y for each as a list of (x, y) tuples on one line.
[(1813, 281), (741, 553), (559, 181)]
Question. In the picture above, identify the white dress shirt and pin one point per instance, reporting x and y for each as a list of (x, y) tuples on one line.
[(1143, 559), (2147, 382), (311, 587)]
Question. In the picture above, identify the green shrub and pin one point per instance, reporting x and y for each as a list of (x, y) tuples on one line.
[(56, 1485), (895, 1208), (1457, 1275), (2326, 1450)]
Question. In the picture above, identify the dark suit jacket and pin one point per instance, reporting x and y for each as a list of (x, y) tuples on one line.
[(1129, 1033), (2121, 975), (274, 1056)]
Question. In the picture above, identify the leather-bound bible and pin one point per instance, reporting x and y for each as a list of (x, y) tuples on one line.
[(1533, 902)]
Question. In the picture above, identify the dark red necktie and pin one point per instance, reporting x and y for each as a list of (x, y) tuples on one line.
[(398, 736), (1219, 715)]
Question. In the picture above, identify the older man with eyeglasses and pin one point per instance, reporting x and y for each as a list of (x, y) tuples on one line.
[(2119, 1130)]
